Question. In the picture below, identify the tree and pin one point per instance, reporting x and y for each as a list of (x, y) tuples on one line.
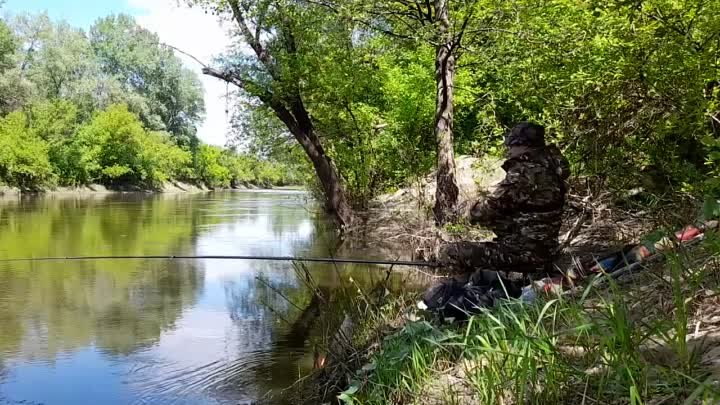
[(446, 192), (209, 167), (443, 24), (55, 60), (23, 156), (8, 45), (116, 149), (162, 160), (274, 73), (112, 110), (172, 96), (62, 63), (15, 89), (56, 123)]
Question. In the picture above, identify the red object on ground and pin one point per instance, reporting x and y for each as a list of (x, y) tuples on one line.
[(688, 233)]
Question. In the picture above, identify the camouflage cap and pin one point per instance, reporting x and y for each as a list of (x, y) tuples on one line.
[(526, 134)]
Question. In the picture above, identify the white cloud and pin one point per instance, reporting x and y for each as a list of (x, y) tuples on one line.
[(200, 35)]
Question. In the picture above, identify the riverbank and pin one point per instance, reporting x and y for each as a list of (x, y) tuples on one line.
[(651, 337), (400, 224), (167, 187), (648, 338)]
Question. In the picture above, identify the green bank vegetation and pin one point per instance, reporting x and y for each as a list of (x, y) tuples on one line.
[(648, 340), (110, 106)]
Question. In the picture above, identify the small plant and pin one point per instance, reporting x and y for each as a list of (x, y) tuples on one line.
[(456, 229)]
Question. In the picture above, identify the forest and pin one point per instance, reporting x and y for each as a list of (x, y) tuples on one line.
[(112, 106)]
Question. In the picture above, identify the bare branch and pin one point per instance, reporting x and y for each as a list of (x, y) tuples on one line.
[(185, 53)]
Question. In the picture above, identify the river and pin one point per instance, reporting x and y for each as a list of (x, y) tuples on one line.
[(159, 331)]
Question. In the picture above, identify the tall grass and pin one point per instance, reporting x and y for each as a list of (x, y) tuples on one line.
[(617, 345)]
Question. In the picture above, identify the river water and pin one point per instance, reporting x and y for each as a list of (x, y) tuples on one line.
[(158, 331)]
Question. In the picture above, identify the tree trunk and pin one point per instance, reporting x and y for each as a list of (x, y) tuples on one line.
[(336, 202), (301, 127), (446, 193)]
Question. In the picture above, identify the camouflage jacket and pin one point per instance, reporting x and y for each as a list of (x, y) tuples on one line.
[(525, 210)]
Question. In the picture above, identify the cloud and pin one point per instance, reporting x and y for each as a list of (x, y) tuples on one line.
[(200, 35)]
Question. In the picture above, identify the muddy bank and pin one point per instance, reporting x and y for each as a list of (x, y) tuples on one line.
[(400, 224), (167, 187)]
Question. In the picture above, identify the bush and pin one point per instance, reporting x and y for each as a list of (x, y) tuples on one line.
[(162, 159), (241, 168)]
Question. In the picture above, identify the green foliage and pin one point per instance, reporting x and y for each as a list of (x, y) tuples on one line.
[(116, 149), (7, 46), (619, 85), (56, 123), (171, 96), (111, 146), (217, 167), (625, 89), (113, 106), (117, 62), (162, 159), (23, 155), (209, 167), (62, 64), (630, 92)]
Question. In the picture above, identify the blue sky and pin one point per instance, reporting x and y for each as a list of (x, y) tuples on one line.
[(81, 13)]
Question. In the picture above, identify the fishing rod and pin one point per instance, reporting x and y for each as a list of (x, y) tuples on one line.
[(225, 257)]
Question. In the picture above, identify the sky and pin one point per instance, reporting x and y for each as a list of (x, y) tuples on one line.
[(189, 29)]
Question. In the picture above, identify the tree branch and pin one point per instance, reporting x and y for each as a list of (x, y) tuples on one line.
[(262, 54), (458, 39), (201, 63), (224, 75)]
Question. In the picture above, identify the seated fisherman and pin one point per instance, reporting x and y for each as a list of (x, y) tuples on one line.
[(525, 211)]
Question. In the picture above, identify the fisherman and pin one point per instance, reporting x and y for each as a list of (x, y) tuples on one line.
[(524, 212)]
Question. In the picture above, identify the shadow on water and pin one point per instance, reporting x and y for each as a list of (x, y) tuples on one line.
[(170, 332)]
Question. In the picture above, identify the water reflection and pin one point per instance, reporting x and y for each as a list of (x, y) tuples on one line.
[(160, 332)]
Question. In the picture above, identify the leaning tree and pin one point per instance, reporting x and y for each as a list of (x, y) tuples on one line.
[(268, 63)]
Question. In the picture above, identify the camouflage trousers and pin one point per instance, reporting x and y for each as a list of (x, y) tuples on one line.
[(497, 257)]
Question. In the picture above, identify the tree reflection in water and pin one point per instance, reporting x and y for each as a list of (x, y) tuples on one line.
[(171, 332)]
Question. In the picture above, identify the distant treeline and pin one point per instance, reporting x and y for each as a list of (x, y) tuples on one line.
[(111, 106)]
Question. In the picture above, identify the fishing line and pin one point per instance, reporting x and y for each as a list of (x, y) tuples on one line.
[(224, 257)]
